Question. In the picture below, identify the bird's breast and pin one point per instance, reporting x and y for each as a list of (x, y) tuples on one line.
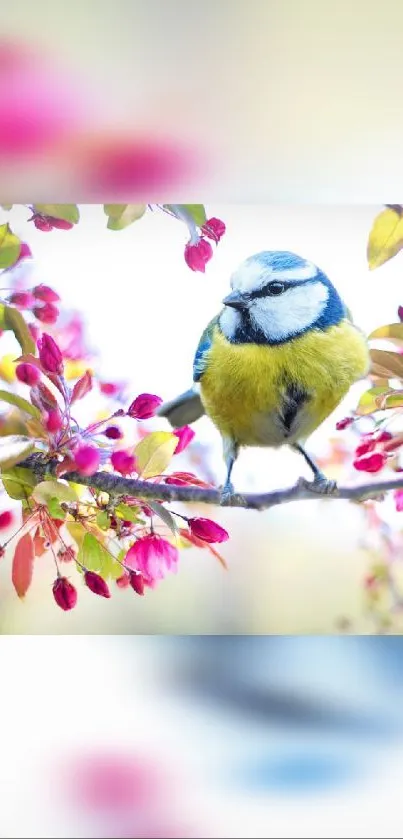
[(269, 395)]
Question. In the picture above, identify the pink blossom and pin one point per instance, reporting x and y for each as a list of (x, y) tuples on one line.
[(344, 423), (136, 581), (6, 519), (96, 584), (22, 299), (48, 313), (54, 421), (50, 355), (144, 406), (185, 436), (64, 593), (27, 374), (87, 459), (123, 462), (372, 463), (45, 293), (207, 530), (153, 557), (197, 255), (214, 229)]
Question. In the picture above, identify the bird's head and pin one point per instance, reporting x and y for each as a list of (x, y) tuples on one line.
[(276, 296)]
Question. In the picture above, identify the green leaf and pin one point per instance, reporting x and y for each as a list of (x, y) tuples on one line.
[(121, 215), (96, 558), (102, 520), (376, 399), (165, 515), (10, 246), (18, 483), (6, 207), (13, 449), (67, 212), (55, 510), (153, 453), (77, 532), (19, 402), (14, 320), (48, 491), (124, 511)]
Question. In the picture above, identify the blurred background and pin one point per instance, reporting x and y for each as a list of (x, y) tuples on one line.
[(201, 737), (299, 568)]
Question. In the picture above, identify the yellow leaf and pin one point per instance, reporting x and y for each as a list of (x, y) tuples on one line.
[(46, 490), (7, 368), (10, 246), (153, 453), (386, 237), (67, 212), (392, 330), (367, 403), (121, 215)]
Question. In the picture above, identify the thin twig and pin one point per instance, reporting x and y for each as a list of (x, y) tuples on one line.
[(303, 490)]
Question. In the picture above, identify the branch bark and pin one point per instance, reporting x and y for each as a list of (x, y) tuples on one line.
[(303, 490)]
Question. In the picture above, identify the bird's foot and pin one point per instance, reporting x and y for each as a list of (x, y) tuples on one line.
[(322, 485), (230, 498)]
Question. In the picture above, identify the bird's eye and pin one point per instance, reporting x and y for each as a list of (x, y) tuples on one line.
[(275, 288)]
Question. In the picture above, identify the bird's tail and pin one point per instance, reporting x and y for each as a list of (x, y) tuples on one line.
[(183, 410)]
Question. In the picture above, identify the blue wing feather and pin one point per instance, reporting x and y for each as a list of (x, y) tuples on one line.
[(202, 352)]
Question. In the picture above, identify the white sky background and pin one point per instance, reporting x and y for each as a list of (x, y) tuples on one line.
[(145, 309)]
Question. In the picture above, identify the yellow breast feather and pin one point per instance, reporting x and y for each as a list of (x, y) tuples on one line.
[(244, 385)]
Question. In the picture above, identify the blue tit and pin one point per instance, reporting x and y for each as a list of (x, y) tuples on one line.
[(275, 362)]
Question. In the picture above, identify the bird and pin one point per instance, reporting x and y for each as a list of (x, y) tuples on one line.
[(275, 362)]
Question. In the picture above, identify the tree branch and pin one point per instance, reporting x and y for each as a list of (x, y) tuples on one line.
[(303, 490)]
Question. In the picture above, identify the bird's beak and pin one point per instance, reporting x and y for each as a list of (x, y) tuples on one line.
[(236, 300)]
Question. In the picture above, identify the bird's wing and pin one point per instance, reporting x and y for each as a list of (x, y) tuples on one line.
[(200, 359)]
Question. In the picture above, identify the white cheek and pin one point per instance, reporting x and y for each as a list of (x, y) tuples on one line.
[(290, 313), (229, 322)]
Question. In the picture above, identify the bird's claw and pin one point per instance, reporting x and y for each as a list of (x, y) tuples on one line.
[(229, 498), (322, 485)]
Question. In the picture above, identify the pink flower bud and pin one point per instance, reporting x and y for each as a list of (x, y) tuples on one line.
[(22, 299), (400, 313), (344, 423), (372, 463), (6, 519), (214, 229), (28, 374), (42, 223), (87, 459), (45, 293), (109, 388), (207, 530), (398, 496), (113, 432), (60, 223), (196, 256), (185, 436), (137, 583), (384, 437), (25, 252), (50, 355), (366, 446), (48, 313), (123, 462), (153, 557), (144, 406), (123, 581), (64, 593), (96, 584), (54, 421)]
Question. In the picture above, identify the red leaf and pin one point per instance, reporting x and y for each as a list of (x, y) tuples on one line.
[(39, 543), (82, 387), (23, 565)]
